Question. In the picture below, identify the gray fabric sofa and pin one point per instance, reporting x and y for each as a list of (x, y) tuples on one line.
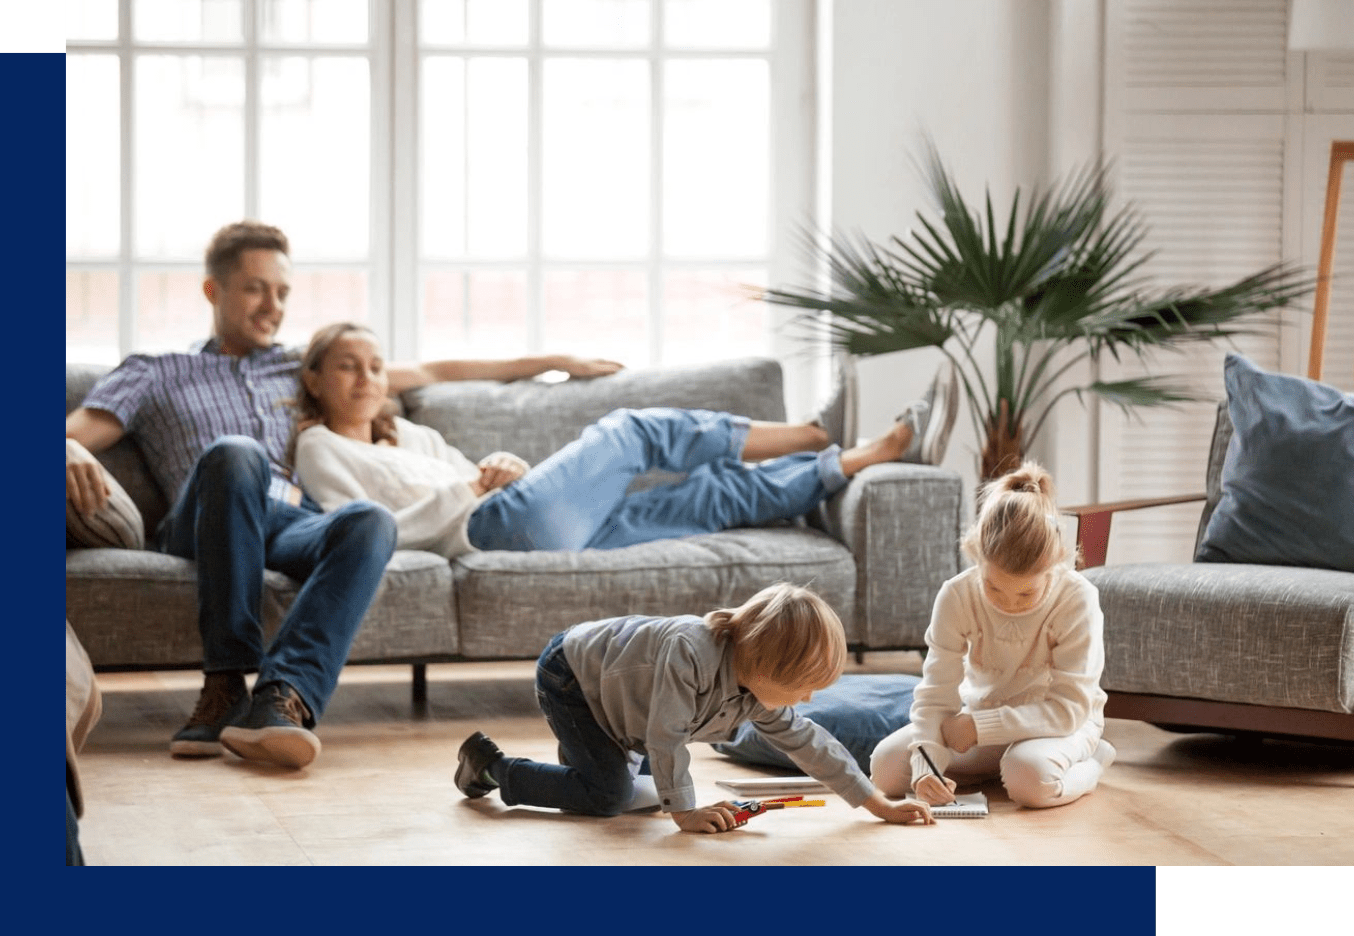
[(878, 551), (1232, 648)]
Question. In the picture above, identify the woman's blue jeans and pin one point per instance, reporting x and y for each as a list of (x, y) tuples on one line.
[(577, 498), (596, 777), (225, 521)]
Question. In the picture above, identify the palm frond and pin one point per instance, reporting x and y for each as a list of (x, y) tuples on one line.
[(1057, 278)]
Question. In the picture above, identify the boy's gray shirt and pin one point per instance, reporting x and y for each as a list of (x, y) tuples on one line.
[(655, 684)]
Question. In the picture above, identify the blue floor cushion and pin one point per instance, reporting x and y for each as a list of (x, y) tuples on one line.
[(859, 710)]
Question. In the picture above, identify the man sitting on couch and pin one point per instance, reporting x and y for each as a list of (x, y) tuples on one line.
[(214, 424)]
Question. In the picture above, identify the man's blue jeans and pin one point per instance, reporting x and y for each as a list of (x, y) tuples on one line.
[(577, 498), (225, 521), (596, 779)]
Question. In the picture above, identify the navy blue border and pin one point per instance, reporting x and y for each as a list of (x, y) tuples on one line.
[(32, 247)]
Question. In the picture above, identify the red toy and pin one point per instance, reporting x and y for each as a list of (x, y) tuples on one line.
[(749, 808)]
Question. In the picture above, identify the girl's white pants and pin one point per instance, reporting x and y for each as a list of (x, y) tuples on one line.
[(1037, 772)]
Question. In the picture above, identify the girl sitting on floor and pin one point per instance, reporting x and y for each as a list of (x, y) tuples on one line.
[(1011, 682)]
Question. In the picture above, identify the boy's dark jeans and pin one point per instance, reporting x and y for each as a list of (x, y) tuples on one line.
[(596, 780)]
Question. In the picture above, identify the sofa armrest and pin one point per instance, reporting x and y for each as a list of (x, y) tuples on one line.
[(902, 523), (1093, 524)]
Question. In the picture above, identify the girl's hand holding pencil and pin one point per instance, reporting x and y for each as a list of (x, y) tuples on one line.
[(934, 787)]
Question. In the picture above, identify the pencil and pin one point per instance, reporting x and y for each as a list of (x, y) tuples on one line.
[(932, 764), (785, 804)]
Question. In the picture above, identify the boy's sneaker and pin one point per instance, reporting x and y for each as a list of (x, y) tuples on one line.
[(224, 698), (274, 729), (476, 754), (839, 416)]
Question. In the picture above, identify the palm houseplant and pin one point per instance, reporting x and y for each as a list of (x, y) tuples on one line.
[(1057, 282)]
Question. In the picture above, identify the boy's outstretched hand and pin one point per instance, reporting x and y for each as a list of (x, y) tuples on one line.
[(716, 818), (900, 811)]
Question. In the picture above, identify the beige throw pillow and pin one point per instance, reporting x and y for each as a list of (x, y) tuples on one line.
[(117, 523)]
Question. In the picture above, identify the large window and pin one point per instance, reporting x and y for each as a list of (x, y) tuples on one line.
[(469, 177)]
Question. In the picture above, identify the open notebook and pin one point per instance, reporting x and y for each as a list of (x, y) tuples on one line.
[(966, 806)]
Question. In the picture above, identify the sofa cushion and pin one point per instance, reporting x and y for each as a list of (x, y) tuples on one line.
[(1217, 456), (117, 524), (1261, 635), (859, 710), (124, 460), (535, 419), (412, 615), (139, 609), (134, 607), (511, 603), (1288, 478)]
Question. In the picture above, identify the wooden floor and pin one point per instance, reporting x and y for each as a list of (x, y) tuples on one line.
[(381, 793)]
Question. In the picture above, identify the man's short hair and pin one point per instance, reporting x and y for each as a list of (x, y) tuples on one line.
[(223, 253)]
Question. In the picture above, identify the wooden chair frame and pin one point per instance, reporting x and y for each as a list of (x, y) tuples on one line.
[(1341, 152)]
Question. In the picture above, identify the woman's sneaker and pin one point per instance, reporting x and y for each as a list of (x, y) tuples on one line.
[(944, 399), (274, 730), (932, 418), (840, 415)]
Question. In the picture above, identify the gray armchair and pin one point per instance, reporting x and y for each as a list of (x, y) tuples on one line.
[(1230, 648)]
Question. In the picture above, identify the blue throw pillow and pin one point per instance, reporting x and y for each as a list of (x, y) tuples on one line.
[(859, 710), (1288, 477)]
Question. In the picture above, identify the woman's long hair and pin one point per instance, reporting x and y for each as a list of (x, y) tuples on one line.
[(307, 407)]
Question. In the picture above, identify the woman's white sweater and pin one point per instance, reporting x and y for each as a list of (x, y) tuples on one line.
[(424, 481)]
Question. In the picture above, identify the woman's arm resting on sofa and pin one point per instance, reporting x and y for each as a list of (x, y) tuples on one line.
[(404, 376)]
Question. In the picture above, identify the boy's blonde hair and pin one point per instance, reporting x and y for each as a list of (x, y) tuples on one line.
[(1017, 525), (787, 634)]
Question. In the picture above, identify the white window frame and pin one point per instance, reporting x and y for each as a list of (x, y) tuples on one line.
[(394, 266), (127, 264)]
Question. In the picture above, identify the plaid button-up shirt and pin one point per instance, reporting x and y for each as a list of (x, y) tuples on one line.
[(177, 404)]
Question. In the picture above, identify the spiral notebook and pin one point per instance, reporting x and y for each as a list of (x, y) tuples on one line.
[(967, 806)]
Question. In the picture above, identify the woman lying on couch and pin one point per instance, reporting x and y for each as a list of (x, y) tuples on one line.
[(739, 472)]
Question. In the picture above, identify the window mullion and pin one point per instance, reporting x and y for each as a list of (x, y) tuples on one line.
[(252, 118), (535, 184), (657, 116), (396, 283), (127, 219)]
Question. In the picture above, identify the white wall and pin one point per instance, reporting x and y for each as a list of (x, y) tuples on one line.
[(976, 75)]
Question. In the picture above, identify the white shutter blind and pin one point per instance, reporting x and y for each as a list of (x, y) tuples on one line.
[(1196, 55), (1330, 81), (1196, 122)]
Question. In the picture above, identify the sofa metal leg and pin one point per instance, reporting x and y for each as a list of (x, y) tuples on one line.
[(420, 687)]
